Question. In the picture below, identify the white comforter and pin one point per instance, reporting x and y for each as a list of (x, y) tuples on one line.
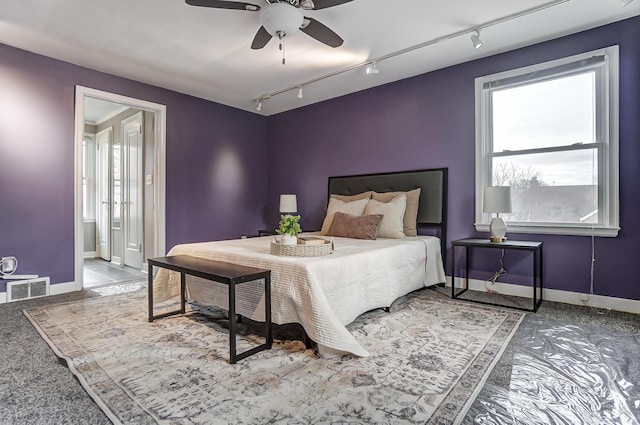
[(323, 294)]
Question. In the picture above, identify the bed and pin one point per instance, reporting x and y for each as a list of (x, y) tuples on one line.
[(326, 293)]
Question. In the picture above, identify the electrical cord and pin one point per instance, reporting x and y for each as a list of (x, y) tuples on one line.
[(593, 264), (593, 257), (501, 272), (593, 248)]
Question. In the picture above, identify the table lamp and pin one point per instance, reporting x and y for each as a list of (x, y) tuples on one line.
[(497, 199), (288, 204)]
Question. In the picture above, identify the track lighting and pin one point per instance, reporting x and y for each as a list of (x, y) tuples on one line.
[(371, 65), (373, 68), (625, 2), (475, 39)]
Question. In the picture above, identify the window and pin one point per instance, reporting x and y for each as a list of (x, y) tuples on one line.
[(550, 131)]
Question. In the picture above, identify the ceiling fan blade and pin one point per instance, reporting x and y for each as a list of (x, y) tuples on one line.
[(323, 4), (321, 32), (261, 39), (223, 4)]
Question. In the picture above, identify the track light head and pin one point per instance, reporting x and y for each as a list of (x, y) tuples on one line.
[(300, 94), (259, 105), (372, 68), (475, 39)]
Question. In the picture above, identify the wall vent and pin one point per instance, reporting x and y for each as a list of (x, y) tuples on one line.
[(25, 289)]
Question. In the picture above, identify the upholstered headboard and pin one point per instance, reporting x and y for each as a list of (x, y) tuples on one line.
[(432, 211)]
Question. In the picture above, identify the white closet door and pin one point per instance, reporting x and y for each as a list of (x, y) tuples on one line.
[(103, 178), (133, 190)]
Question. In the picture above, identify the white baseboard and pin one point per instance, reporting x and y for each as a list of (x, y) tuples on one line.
[(116, 260), (555, 295), (63, 288), (91, 254)]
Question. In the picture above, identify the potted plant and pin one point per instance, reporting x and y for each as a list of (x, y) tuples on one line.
[(289, 229)]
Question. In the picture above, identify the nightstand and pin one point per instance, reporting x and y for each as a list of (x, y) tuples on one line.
[(470, 244)]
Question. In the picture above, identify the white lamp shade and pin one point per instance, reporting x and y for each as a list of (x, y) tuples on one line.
[(497, 199), (288, 204), (281, 17)]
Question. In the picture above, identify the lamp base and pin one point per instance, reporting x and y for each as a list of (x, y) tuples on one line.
[(498, 230)]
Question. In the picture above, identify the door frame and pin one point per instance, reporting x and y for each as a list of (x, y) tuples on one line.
[(159, 170)]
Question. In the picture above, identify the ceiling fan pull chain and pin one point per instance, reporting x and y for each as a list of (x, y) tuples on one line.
[(281, 47)]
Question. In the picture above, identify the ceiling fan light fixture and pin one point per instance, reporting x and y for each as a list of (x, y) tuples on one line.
[(475, 39), (372, 68), (300, 93), (307, 4), (281, 18)]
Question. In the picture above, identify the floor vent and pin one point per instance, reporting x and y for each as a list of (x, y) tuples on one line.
[(25, 289)]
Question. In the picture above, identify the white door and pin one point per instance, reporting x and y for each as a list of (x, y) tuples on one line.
[(133, 190), (103, 178)]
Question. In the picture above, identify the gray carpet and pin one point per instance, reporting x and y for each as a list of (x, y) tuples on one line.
[(36, 388)]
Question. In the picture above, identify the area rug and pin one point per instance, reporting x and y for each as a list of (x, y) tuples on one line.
[(429, 358)]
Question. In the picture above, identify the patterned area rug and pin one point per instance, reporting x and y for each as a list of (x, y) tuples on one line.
[(429, 357)]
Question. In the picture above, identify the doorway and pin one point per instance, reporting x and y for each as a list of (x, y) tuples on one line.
[(129, 181), (122, 218)]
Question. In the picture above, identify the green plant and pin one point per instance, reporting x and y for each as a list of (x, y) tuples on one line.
[(289, 225)]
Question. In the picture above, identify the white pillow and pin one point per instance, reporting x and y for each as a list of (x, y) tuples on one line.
[(392, 216), (335, 205)]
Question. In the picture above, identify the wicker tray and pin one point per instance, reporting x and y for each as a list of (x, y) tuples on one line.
[(301, 250)]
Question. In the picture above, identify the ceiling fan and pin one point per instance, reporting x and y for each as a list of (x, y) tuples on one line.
[(282, 18)]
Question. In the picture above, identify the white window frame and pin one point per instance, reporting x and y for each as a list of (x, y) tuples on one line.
[(608, 138)]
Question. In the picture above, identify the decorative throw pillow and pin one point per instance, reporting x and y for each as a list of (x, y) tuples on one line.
[(355, 226), (393, 215), (409, 225), (350, 198), (336, 205)]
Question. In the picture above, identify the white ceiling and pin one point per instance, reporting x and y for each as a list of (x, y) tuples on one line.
[(97, 111), (206, 52)]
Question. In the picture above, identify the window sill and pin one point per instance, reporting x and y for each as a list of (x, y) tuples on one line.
[(610, 232)]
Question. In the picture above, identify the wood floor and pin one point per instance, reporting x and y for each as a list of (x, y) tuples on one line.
[(98, 272)]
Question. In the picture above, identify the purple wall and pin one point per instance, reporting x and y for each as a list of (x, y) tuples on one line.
[(216, 185), (428, 122), (222, 178)]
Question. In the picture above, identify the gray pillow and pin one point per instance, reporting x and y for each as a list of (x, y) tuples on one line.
[(355, 226)]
